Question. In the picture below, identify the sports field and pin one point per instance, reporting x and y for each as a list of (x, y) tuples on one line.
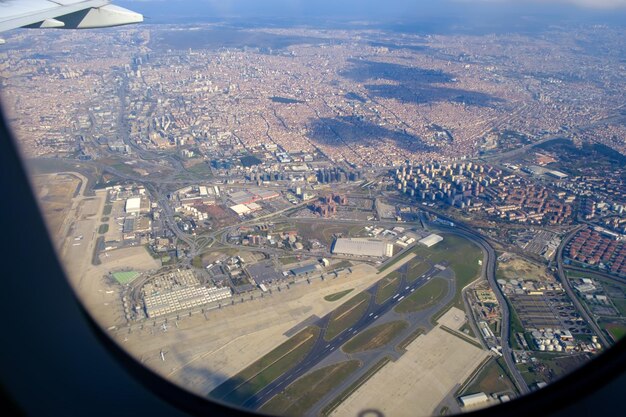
[(125, 277)]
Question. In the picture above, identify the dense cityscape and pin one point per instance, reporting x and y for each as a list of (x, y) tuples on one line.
[(327, 220)]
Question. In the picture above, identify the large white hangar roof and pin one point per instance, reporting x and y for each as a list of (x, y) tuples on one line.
[(363, 247), (431, 240)]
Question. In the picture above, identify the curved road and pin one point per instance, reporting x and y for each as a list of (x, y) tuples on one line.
[(568, 288), (489, 273)]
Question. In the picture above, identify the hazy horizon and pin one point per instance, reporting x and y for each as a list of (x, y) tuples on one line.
[(443, 16)]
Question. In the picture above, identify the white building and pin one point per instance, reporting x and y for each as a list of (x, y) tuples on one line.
[(431, 240), (474, 400), (133, 205), (363, 247)]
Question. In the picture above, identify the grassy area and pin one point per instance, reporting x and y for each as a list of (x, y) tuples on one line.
[(346, 315), (300, 396), (530, 377), (416, 270), (256, 376), (103, 228), (561, 364), (410, 338), (616, 330), (491, 379), (387, 287), (515, 327), (620, 304), (323, 232), (467, 329), (375, 337), (197, 262), (108, 208), (353, 387), (463, 257), (424, 297), (342, 264), (202, 168), (125, 277), (336, 296), (288, 260)]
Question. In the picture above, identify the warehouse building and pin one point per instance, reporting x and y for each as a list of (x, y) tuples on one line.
[(431, 240), (474, 400), (362, 247), (133, 205), (304, 270)]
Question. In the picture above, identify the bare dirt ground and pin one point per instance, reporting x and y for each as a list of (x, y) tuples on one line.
[(521, 269), (416, 383), (53, 192), (73, 222)]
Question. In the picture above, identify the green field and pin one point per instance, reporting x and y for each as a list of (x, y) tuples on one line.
[(125, 277), (428, 295), (103, 228), (197, 262), (202, 169), (491, 379), (300, 396), (346, 315), (387, 287), (107, 209), (616, 330), (336, 296), (375, 337), (256, 376), (515, 327), (620, 304), (461, 255), (416, 269), (288, 260)]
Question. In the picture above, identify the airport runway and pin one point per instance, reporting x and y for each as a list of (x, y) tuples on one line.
[(322, 348)]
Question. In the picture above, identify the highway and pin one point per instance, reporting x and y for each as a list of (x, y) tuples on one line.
[(323, 348), (570, 292), (489, 273)]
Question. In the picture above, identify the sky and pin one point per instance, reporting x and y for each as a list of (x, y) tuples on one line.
[(162, 11)]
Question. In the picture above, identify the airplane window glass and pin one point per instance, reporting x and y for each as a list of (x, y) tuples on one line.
[(310, 208)]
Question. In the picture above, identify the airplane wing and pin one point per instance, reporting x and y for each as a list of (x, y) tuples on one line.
[(64, 14)]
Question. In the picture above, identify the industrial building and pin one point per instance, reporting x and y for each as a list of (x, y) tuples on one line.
[(133, 205), (474, 400), (304, 270), (244, 209), (431, 240), (362, 247)]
